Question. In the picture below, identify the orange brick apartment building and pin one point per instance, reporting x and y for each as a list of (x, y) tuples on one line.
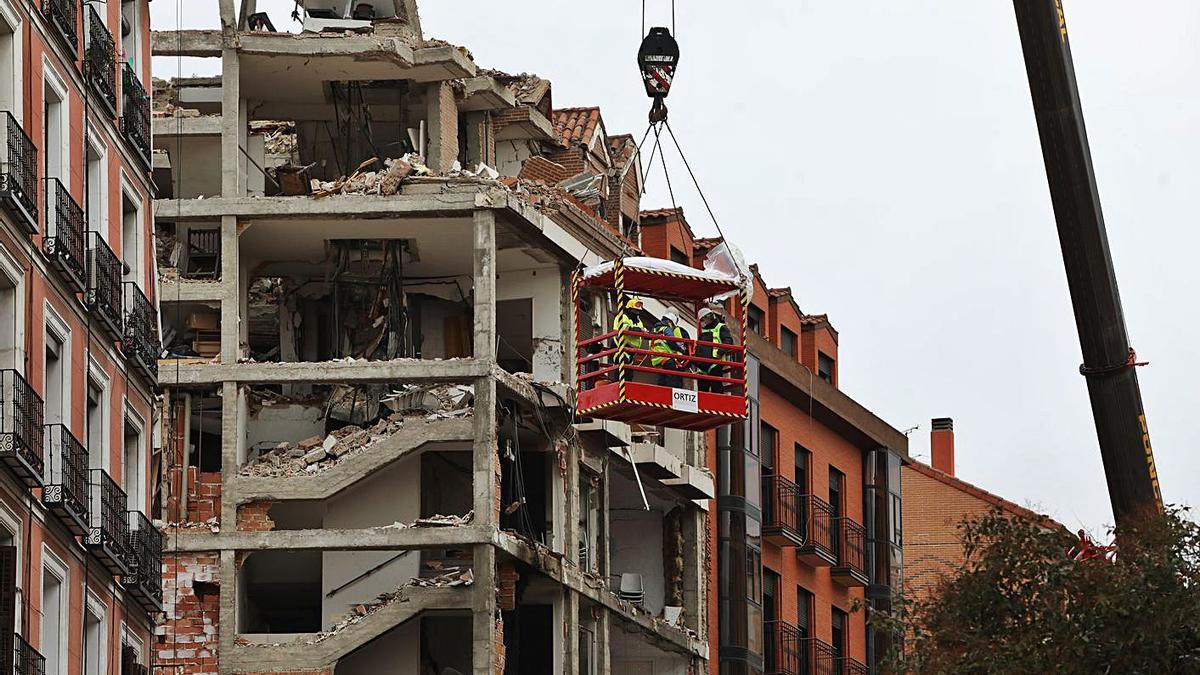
[(816, 473), (79, 560)]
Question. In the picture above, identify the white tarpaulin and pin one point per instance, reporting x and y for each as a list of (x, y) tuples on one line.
[(723, 263)]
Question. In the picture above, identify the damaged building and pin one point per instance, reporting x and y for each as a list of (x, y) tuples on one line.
[(366, 244)]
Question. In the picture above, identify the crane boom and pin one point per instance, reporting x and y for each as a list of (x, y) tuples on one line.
[(1108, 359)]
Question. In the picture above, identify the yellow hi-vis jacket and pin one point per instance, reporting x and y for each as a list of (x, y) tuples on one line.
[(667, 346)]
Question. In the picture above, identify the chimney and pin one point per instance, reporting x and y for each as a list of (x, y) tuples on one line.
[(941, 445)]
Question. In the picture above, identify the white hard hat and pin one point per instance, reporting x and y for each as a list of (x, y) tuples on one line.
[(671, 316), (706, 312)]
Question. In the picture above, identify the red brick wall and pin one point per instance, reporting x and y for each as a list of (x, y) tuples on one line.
[(932, 511), (828, 449), (253, 517), (204, 495), (540, 168), (189, 636), (571, 159), (660, 233), (784, 315)]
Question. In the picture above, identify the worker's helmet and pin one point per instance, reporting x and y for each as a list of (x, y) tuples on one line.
[(635, 303), (706, 313), (672, 317)]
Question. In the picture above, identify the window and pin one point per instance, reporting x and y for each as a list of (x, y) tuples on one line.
[(56, 135), (131, 236), (12, 314), (825, 367), (771, 613), (803, 463), (56, 391), (838, 634), (96, 205), (54, 613), (130, 31), (133, 476), (836, 478), (680, 257), (804, 609), (787, 342), (10, 62), (95, 633), (768, 439), (754, 321), (97, 421)]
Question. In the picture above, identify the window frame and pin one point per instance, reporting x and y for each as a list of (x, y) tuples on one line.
[(54, 326), (12, 23), (52, 80), (59, 569)]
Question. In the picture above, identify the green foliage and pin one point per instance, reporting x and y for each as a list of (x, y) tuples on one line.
[(1021, 605)]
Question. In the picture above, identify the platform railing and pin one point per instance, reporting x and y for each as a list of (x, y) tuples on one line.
[(18, 171), (605, 358), (135, 113), (64, 239), (21, 430), (100, 60)]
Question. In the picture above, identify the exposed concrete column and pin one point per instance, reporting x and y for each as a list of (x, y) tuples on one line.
[(232, 126), (567, 302), (231, 286), (483, 612), (485, 459), (232, 409), (442, 122), (695, 600), (228, 18), (228, 612), (412, 15), (571, 634), (603, 636), (485, 286)]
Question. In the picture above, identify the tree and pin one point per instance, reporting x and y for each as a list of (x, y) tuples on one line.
[(1021, 605)]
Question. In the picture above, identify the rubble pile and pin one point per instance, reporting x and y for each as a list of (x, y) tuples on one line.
[(363, 182), (317, 453), (450, 577)]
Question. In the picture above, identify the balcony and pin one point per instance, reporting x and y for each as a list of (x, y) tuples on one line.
[(64, 15), (103, 294), (144, 581), (108, 535), (100, 61), (63, 243), (817, 516), (26, 659), (135, 114), (65, 492), (20, 428), (18, 173), (782, 524), (824, 660), (785, 653), (851, 547), (141, 344), (130, 665)]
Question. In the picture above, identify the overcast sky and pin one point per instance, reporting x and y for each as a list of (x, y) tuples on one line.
[(881, 158)]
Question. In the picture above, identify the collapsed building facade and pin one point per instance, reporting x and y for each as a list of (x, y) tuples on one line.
[(366, 245)]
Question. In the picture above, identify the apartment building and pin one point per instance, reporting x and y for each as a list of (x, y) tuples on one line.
[(80, 561), (366, 249), (809, 494), (937, 502)]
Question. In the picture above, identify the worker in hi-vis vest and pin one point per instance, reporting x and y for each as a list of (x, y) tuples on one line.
[(669, 326), (714, 330), (630, 319)]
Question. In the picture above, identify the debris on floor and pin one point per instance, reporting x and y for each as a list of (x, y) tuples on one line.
[(408, 405)]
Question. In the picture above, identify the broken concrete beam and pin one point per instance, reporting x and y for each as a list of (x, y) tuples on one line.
[(314, 456)]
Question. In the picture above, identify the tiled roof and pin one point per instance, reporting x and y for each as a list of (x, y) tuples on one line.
[(813, 319), (980, 493), (622, 149), (705, 243), (779, 292), (577, 126), (662, 213)]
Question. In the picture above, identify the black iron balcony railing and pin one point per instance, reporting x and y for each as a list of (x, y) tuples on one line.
[(144, 580), (826, 661), (851, 566), (819, 541), (785, 653), (103, 294), (63, 242), (18, 173), (65, 491), (64, 14), (135, 113), (26, 659), (141, 343), (20, 428), (781, 499), (108, 536), (100, 60)]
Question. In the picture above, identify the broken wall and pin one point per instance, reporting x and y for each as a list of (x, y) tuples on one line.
[(187, 639), (544, 287)]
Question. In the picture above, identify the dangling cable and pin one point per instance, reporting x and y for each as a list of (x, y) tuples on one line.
[(694, 181), (666, 174)]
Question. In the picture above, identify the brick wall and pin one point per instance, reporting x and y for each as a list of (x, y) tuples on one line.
[(540, 168), (253, 517), (571, 159), (204, 495), (188, 637), (443, 127)]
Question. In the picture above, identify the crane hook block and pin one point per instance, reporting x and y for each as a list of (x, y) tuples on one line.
[(657, 58)]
